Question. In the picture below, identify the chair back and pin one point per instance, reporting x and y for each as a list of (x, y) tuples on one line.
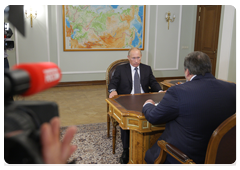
[(111, 69), (222, 144)]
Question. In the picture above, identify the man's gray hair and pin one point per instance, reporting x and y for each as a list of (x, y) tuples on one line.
[(198, 63), (134, 48)]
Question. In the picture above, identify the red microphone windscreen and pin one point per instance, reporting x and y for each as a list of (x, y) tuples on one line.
[(42, 75)]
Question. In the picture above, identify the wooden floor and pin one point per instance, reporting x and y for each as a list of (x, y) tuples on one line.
[(77, 104)]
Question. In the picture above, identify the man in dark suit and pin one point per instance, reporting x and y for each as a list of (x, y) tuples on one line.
[(125, 82), (191, 111)]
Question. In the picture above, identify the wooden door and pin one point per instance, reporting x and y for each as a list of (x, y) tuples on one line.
[(207, 31)]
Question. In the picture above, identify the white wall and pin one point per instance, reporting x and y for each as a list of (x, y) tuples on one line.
[(226, 66), (34, 46), (227, 42), (164, 49)]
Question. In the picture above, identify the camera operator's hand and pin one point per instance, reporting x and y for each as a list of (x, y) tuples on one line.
[(53, 150)]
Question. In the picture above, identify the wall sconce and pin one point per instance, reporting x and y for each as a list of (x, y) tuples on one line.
[(168, 18), (30, 11)]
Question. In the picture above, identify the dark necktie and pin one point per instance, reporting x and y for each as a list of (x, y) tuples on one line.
[(136, 82)]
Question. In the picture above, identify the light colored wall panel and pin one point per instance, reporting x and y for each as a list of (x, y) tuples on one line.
[(167, 41), (34, 47), (186, 26), (227, 45), (233, 62), (226, 39)]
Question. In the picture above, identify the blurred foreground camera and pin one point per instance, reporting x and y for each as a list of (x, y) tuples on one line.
[(8, 43), (23, 119)]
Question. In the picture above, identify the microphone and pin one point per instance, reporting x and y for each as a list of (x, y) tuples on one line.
[(31, 78)]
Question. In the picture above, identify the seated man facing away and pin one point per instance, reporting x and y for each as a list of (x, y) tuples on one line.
[(191, 111), (130, 79)]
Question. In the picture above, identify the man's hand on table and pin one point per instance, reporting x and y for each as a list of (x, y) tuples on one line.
[(112, 94), (162, 91), (149, 101)]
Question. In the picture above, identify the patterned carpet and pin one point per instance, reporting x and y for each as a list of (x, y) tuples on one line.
[(93, 145)]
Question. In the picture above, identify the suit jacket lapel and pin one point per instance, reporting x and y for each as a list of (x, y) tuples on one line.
[(129, 73), (141, 73)]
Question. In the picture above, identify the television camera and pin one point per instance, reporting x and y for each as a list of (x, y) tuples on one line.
[(8, 43), (22, 119)]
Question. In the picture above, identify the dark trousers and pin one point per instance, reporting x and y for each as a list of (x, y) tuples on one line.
[(125, 138)]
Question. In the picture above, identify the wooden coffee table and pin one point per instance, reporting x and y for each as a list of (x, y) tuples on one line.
[(169, 83)]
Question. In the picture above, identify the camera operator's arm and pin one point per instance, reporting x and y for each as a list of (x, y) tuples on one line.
[(53, 150)]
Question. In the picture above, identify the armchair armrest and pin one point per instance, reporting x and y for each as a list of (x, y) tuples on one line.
[(173, 151)]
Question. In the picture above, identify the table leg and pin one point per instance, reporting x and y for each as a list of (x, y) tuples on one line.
[(114, 137), (108, 125), (114, 123), (140, 143), (165, 87)]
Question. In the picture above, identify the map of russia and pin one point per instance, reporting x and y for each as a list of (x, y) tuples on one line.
[(103, 27)]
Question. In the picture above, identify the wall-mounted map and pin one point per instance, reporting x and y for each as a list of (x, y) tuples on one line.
[(103, 27)]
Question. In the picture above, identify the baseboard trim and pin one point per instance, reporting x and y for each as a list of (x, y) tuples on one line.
[(103, 82), (81, 83)]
